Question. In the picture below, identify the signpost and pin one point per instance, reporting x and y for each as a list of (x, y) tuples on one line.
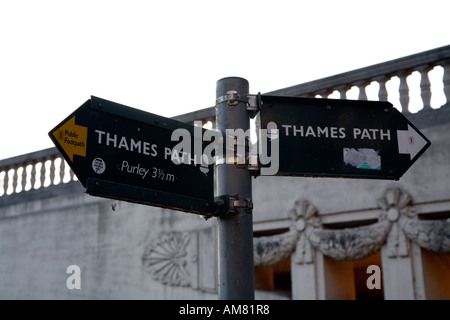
[(123, 153), (341, 138), (235, 231)]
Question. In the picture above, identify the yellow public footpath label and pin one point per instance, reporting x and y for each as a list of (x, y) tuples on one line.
[(72, 138)]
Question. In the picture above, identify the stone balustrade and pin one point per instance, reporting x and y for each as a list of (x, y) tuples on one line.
[(32, 171), (421, 63)]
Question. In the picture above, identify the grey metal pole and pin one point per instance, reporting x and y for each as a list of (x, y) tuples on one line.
[(235, 231)]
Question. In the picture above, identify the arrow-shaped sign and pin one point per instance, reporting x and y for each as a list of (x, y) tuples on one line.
[(124, 153), (340, 138), (72, 138)]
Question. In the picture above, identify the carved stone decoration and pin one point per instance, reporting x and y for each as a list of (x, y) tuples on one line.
[(304, 215), (397, 245), (350, 243), (271, 250), (433, 235), (342, 244), (303, 250), (166, 260), (395, 202), (397, 206)]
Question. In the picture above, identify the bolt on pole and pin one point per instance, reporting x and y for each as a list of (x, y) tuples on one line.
[(235, 231)]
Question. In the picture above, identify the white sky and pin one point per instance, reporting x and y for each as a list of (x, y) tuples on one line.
[(165, 57)]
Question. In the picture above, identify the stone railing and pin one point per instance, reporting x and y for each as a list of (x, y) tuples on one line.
[(46, 169), (33, 171), (380, 74)]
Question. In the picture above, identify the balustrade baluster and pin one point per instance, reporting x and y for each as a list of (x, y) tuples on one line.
[(404, 92), (6, 181), (362, 90), (425, 86), (446, 81), (24, 177), (342, 91), (382, 91), (62, 168), (42, 177), (15, 180), (33, 175), (52, 171)]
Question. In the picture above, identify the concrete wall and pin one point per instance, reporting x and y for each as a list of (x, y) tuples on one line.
[(40, 239)]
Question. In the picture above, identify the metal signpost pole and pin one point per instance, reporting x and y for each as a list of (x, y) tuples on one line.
[(235, 230)]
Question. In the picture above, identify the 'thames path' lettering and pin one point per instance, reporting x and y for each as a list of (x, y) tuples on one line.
[(129, 144), (334, 132), (146, 148)]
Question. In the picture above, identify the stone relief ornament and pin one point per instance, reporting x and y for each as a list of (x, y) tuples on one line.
[(396, 205), (306, 234), (166, 259), (395, 227), (183, 259), (170, 262), (271, 250), (340, 244), (304, 216), (433, 235), (350, 243)]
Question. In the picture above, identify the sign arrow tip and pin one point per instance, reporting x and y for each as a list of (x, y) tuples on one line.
[(72, 138), (410, 142)]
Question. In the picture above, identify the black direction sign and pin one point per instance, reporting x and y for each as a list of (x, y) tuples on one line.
[(127, 154), (340, 138)]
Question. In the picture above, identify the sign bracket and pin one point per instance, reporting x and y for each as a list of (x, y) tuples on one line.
[(254, 103), (229, 204)]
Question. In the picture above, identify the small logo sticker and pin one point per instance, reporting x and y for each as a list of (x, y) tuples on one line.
[(98, 165)]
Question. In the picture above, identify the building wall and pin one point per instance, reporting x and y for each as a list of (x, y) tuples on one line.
[(106, 239)]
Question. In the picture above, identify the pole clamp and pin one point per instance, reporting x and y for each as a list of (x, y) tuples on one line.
[(232, 97), (253, 101), (229, 204)]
